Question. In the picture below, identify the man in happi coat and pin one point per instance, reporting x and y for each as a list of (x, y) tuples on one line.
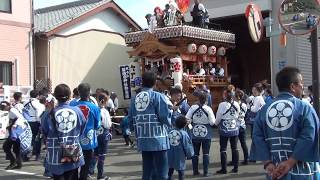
[(150, 116), (286, 132)]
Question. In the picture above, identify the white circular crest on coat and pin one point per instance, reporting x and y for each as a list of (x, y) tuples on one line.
[(200, 131), (280, 115), (142, 101), (66, 120), (174, 137), (90, 134)]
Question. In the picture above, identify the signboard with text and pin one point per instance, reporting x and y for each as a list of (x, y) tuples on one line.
[(125, 81)]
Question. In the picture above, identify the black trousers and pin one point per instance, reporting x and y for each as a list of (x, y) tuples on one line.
[(127, 139), (69, 175), (242, 139), (15, 146), (223, 151), (88, 156), (36, 141)]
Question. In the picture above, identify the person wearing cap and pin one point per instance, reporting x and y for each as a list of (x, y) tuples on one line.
[(19, 140)]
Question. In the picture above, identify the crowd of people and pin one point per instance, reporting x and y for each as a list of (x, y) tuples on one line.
[(171, 15), (284, 129), (75, 132), (168, 131)]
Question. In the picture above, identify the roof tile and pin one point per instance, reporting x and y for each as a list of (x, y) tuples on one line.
[(49, 18)]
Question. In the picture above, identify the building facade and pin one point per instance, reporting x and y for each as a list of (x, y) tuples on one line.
[(16, 62), (273, 57), (82, 42)]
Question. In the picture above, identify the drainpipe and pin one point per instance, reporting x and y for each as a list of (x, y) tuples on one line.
[(31, 50), (17, 68)]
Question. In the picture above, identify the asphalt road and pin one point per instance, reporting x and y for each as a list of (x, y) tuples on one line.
[(125, 163)]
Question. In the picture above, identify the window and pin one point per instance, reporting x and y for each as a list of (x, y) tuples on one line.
[(6, 72), (5, 6)]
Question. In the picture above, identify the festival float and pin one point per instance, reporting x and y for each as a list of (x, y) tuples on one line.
[(174, 49)]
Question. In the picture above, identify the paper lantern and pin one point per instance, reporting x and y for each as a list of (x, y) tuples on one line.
[(202, 49), (222, 51), (192, 48), (212, 50), (183, 5)]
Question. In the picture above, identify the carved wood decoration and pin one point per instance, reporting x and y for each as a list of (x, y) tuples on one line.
[(150, 47)]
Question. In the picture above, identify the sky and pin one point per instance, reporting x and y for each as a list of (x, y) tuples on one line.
[(137, 9)]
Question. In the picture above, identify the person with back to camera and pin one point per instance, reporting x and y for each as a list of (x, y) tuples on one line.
[(32, 112), (227, 120), (62, 127), (92, 117), (104, 136), (180, 148), (150, 117), (242, 129), (202, 120)]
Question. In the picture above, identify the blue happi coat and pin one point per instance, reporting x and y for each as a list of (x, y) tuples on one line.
[(181, 148), (150, 116), (69, 122), (288, 127), (21, 132), (92, 116), (125, 126)]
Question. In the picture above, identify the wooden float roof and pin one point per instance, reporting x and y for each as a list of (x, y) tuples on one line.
[(180, 31)]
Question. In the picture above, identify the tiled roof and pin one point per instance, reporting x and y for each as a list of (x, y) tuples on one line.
[(49, 18)]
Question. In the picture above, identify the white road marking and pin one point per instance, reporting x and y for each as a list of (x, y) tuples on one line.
[(23, 173), (20, 172)]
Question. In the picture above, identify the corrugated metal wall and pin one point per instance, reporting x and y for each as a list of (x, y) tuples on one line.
[(303, 58)]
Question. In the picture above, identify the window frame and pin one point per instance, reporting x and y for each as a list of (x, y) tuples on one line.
[(11, 72), (10, 8)]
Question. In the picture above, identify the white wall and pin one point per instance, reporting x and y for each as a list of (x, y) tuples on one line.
[(92, 57), (106, 20)]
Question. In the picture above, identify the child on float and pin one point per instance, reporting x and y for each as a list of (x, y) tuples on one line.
[(180, 148)]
